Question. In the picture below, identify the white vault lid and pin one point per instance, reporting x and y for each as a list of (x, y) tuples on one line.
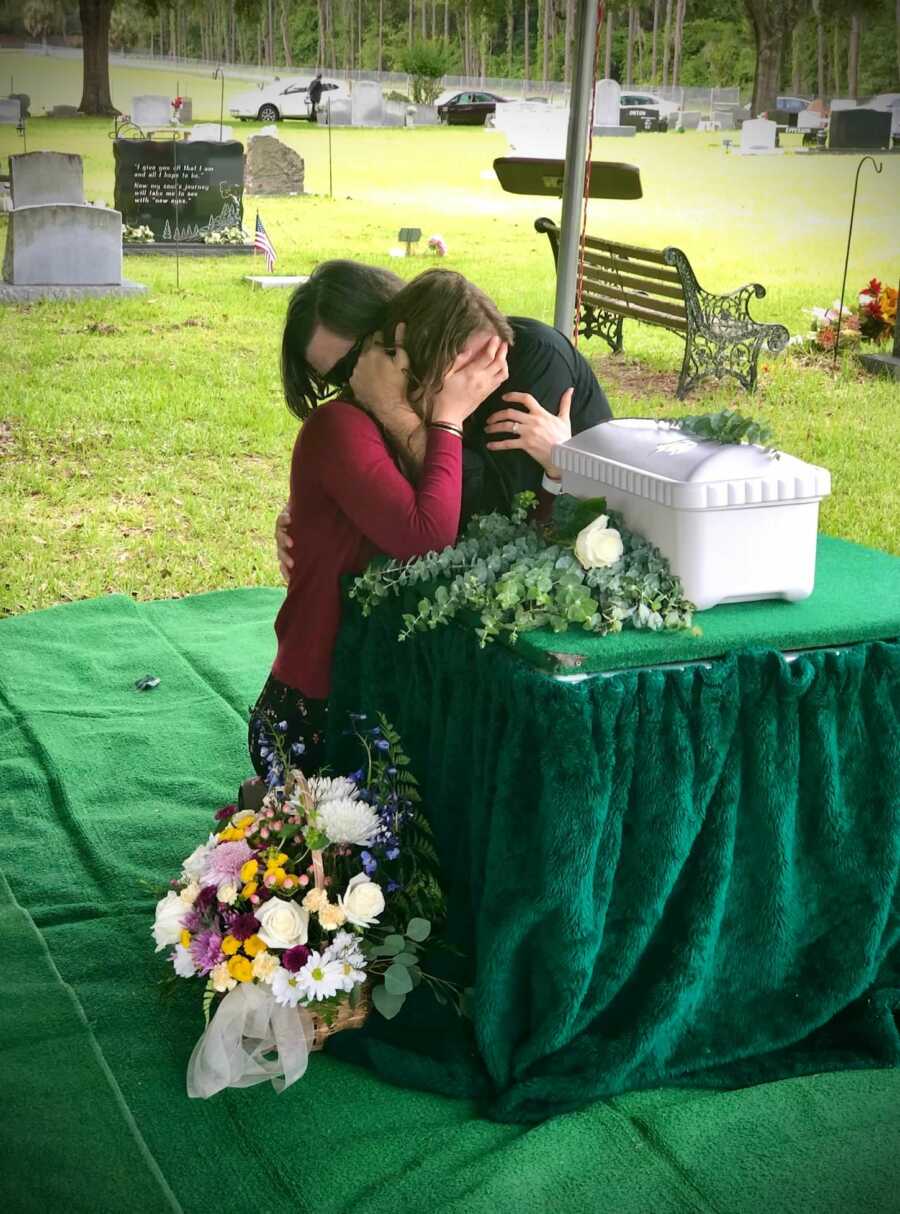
[(651, 459)]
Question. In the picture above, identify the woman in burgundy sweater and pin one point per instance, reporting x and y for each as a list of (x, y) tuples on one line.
[(350, 497)]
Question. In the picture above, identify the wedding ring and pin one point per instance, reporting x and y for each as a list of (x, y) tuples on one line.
[(515, 427)]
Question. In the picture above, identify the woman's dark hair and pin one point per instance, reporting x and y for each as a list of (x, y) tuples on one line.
[(441, 310), (346, 297)]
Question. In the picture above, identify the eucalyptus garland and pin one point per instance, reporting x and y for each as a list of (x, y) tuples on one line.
[(515, 575), (727, 426)]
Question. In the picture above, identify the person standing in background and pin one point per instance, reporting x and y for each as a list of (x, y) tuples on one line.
[(315, 96)]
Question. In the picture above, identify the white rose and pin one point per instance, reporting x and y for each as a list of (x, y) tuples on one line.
[(227, 893), (598, 545), (362, 902), (282, 924), (196, 861), (168, 926)]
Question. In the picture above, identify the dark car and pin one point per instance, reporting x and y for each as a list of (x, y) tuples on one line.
[(473, 109)]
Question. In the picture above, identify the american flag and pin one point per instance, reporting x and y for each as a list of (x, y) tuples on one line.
[(261, 241)]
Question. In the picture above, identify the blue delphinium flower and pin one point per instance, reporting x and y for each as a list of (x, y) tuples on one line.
[(392, 853), (382, 744), (298, 748), (369, 862)]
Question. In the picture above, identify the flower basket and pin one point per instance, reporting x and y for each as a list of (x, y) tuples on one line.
[(347, 1017)]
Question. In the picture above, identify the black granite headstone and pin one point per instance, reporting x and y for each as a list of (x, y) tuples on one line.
[(202, 182), (642, 117), (859, 128)]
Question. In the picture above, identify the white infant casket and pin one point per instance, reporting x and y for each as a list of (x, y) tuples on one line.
[(734, 521)]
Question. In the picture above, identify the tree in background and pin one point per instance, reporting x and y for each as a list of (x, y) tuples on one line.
[(95, 18), (426, 63), (40, 18), (771, 22)]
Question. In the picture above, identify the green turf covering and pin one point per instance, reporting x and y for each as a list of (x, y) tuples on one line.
[(103, 789), (856, 598)]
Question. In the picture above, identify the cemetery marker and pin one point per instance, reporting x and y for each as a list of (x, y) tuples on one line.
[(409, 237)]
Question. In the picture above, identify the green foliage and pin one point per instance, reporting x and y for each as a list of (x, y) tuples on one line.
[(426, 61), (514, 576), (727, 426)]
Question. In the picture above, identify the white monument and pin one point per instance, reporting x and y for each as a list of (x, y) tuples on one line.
[(607, 95), (57, 245), (151, 110), (533, 129), (210, 132), (367, 104), (758, 137)]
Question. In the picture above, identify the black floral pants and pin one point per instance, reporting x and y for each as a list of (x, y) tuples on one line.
[(297, 721)]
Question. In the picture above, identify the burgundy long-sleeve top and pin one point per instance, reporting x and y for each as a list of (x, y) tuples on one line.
[(349, 501)]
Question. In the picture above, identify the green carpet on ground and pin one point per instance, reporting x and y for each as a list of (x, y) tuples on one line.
[(104, 789)]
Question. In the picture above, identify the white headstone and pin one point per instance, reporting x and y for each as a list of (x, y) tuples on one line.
[(810, 120), (40, 177), (10, 111), (151, 110), (688, 120), (843, 103), (758, 135), (606, 103), (337, 111), (208, 132), (533, 129), (367, 103)]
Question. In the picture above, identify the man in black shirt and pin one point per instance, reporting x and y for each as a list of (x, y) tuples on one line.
[(316, 89)]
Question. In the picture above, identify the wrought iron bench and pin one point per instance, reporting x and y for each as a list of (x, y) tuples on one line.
[(658, 287)]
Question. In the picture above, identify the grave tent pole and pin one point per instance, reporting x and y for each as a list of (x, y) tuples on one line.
[(577, 153), (330, 178), (175, 198)]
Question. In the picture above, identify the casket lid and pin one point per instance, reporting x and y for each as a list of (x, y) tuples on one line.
[(652, 459)]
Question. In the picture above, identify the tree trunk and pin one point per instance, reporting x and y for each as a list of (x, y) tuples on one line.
[(853, 54), (679, 40), (656, 4), (285, 38), (446, 22), (771, 23), (527, 65), (545, 36), (381, 35), (836, 57), (820, 48), (95, 98), (897, 35), (607, 60), (510, 30), (667, 33), (629, 47), (570, 40)]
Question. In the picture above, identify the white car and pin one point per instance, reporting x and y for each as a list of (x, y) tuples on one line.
[(650, 101), (280, 99), (887, 101)]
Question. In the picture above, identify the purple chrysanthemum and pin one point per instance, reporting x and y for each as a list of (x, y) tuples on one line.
[(295, 958), (244, 926), (206, 898), (191, 920), (225, 812), (206, 951), (224, 862)]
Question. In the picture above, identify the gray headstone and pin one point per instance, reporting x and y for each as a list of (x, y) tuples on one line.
[(10, 111), (63, 244), (40, 177), (151, 110), (64, 111), (842, 103), (724, 119), (272, 167), (338, 112), (367, 104), (394, 113), (606, 103), (689, 120)]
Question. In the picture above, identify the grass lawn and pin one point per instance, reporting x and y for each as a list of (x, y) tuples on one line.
[(144, 445)]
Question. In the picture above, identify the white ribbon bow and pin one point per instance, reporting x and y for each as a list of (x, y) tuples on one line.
[(247, 1026)]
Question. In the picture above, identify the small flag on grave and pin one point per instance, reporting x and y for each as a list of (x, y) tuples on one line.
[(263, 244)]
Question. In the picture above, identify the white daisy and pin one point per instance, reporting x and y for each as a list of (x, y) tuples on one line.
[(332, 788), (346, 821), (319, 979), (183, 962), (344, 947), (350, 975), (286, 987)]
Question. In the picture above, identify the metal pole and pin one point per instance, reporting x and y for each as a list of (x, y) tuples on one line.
[(573, 180), (837, 337), (330, 174)]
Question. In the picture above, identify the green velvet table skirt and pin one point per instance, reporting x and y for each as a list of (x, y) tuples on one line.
[(659, 876)]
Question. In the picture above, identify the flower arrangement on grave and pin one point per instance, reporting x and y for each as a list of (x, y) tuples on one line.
[(299, 916), (871, 319), (234, 235), (176, 104), (438, 245), (585, 569), (139, 234)]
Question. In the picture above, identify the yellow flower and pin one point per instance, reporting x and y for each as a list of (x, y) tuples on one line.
[(244, 821), (249, 870), (241, 969), (277, 861), (249, 889), (315, 900), (253, 946), (332, 917), (889, 305), (185, 938), (230, 945), (278, 873), (231, 835)]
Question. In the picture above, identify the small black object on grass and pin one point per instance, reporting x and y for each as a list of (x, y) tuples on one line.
[(147, 683), (409, 237)]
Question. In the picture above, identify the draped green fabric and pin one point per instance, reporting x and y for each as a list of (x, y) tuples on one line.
[(666, 875)]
